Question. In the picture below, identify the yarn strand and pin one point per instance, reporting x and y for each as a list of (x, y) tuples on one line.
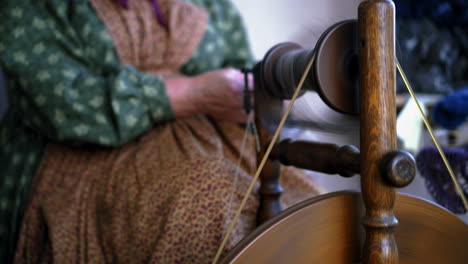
[(264, 159), (429, 128)]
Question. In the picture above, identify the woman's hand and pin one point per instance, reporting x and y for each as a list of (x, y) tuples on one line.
[(219, 94)]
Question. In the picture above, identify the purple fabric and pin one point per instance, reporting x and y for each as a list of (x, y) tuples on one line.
[(123, 3), (438, 180), (157, 11)]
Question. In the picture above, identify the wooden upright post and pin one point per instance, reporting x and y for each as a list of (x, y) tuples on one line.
[(378, 126), (269, 109), (270, 187)]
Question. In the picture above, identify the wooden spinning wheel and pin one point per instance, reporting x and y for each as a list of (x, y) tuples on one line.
[(327, 229), (348, 227)]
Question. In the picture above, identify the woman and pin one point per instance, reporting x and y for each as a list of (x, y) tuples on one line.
[(121, 143)]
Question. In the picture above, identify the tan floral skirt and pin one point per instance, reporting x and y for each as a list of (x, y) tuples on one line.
[(166, 197)]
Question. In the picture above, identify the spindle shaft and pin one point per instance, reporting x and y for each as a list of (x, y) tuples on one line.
[(315, 156)]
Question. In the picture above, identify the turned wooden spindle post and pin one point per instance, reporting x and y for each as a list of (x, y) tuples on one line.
[(378, 126), (270, 188), (268, 111)]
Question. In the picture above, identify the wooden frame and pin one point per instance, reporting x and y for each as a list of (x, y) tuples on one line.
[(381, 172)]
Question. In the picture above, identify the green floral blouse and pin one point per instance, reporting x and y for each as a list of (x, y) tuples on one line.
[(66, 84)]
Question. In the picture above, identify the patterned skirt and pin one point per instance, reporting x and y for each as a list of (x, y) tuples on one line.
[(166, 197)]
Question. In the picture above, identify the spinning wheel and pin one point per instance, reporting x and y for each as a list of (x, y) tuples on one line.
[(329, 228)]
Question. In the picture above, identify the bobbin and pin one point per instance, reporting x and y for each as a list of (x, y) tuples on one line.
[(335, 70)]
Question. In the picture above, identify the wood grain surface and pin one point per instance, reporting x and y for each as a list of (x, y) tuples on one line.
[(327, 230), (378, 126)]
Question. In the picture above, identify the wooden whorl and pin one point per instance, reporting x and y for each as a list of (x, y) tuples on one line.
[(327, 229), (336, 67)]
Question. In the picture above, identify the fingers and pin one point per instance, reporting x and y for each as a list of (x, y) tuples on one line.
[(241, 96), (251, 81), (222, 94), (238, 79)]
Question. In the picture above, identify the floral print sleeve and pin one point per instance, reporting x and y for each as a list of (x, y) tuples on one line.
[(225, 43), (237, 52), (71, 85)]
